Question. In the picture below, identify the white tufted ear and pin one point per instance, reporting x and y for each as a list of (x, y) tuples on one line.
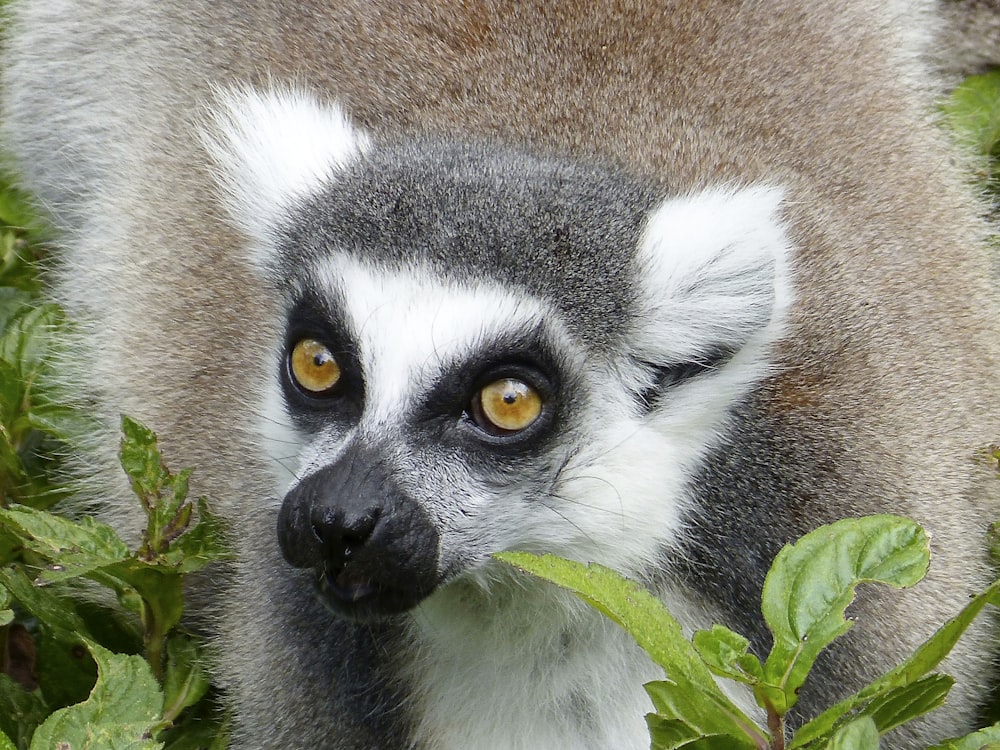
[(714, 270), (273, 148)]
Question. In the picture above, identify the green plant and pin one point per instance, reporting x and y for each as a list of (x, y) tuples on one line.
[(804, 598), (972, 112), (134, 701)]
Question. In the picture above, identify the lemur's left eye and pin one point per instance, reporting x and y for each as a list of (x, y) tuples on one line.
[(506, 406), (313, 367)]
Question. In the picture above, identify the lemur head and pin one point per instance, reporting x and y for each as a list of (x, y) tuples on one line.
[(486, 349)]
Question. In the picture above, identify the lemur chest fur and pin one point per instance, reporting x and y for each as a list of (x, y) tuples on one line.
[(525, 674)]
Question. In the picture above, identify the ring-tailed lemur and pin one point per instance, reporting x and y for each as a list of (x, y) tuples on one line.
[(653, 284)]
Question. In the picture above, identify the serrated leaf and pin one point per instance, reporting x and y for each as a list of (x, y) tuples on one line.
[(140, 457), (202, 544), (75, 548), (690, 694), (162, 493), (55, 612), (926, 658), (988, 738), (121, 711), (812, 582), (727, 654), (860, 734)]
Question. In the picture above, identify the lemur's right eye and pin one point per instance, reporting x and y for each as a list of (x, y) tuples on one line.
[(506, 406), (313, 367)]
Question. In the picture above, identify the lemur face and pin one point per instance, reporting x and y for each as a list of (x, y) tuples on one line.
[(488, 350)]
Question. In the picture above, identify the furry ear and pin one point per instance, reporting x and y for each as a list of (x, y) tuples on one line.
[(714, 275), (273, 148)]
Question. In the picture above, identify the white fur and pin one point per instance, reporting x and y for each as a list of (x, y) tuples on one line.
[(410, 323), (273, 148), (526, 666), (538, 670), (283, 445), (715, 270)]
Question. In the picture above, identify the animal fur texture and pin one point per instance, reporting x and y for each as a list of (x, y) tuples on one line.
[(724, 244)]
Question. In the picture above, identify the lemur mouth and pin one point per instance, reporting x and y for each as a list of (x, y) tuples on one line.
[(346, 587), (354, 596)]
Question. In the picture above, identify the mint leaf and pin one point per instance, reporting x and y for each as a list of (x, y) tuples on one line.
[(120, 713), (812, 582)]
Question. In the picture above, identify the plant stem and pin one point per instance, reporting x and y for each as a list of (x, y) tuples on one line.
[(153, 639), (776, 725)]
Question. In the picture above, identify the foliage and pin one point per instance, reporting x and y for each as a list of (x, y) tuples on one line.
[(33, 421), (134, 701), (804, 600), (972, 112)]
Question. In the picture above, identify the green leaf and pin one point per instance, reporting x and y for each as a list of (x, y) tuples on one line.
[(140, 457), (206, 727), (202, 544), (55, 612), (926, 658), (860, 734), (75, 548), (690, 693), (727, 654), (6, 743), (15, 206), (21, 711), (812, 582), (162, 494), (985, 738), (902, 704), (121, 711), (26, 328), (6, 615), (186, 681), (666, 734), (161, 589), (973, 110)]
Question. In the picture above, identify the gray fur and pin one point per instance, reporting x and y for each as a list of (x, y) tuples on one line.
[(878, 397)]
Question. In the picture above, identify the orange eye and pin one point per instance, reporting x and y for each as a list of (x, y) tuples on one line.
[(506, 406), (313, 367)]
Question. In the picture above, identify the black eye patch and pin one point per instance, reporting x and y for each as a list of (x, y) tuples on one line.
[(666, 377)]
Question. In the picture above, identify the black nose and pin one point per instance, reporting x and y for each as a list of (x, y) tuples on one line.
[(342, 534), (373, 548)]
